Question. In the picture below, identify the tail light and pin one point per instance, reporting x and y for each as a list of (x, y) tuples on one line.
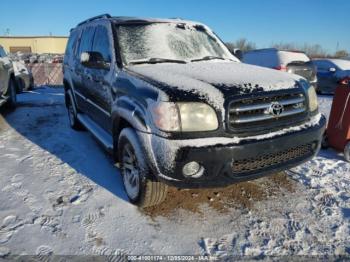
[(281, 68), (345, 81)]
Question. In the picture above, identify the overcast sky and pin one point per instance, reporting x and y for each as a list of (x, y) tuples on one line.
[(264, 22)]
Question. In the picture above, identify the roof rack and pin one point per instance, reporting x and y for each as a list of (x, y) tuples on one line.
[(95, 18)]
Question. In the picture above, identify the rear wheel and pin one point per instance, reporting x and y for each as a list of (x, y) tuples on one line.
[(325, 142), (72, 113), (142, 190), (347, 151)]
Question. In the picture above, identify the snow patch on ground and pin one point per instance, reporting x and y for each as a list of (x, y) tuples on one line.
[(61, 194)]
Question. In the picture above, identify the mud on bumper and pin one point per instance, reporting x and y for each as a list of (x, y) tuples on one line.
[(231, 163)]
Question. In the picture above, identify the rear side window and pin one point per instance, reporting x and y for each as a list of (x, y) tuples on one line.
[(323, 65), (71, 43), (265, 58), (102, 44), (86, 40)]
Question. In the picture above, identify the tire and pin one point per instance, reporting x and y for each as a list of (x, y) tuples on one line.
[(12, 93), (325, 142), (19, 85), (141, 189), (347, 152), (72, 113)]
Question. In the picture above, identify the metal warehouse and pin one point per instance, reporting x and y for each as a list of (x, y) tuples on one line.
[(34, 44)]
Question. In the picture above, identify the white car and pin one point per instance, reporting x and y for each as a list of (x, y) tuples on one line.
[(7, 80), (24, 78), (294, 62)]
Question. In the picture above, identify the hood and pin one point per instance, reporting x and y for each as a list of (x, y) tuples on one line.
[(213, 81)]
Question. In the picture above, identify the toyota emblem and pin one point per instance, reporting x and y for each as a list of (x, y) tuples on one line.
[(276, 109)]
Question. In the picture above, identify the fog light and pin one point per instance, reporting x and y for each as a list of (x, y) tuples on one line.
[(192, 169)]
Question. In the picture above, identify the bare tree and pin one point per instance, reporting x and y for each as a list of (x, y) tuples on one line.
[(341, 54), (312, 50), (243, 44)]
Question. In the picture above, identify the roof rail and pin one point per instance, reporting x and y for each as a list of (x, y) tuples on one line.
[(95, 18)]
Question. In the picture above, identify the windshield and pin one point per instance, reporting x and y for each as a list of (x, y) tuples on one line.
[(169, 42), (342, 64)]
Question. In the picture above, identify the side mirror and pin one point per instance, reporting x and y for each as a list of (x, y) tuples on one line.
[(238, 53), (94, 60), (332, 70)]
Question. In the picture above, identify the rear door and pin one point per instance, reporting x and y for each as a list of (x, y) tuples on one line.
[(99, 83), (81, 73)]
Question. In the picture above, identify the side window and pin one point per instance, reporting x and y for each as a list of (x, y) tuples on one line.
[(101, 43), (86, 40), (71, 43), (323, 65)]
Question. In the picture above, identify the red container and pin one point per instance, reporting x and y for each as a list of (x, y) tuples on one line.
[(338, 130)]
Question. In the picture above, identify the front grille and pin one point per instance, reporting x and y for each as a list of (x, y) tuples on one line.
[(266, 161), (256, 113)]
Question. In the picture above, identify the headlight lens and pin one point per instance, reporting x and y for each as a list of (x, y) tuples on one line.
[(311, 93), (313, 103), (197, 117), (185, 117)]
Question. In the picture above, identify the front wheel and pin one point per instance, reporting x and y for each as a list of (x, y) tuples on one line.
[(12, 93), (142, 190), (347, 151)]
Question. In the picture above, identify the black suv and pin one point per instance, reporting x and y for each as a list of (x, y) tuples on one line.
[(174, 107)]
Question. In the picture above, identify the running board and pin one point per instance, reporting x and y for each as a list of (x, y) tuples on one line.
[(101, 135)]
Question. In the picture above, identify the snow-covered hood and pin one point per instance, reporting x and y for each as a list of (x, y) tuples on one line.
[(213, 80)]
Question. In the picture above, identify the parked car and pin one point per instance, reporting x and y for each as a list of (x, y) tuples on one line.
[(331, 73), (7, 81), (24, 78), (174, 107), (294, 62)]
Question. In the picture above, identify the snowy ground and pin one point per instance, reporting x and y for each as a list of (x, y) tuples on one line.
[(60, 194)]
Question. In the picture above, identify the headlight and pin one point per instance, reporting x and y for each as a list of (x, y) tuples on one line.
[(313, 103), (185, 117), (311, 93)]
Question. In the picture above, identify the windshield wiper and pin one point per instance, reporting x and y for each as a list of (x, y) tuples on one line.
[(156, 60), (209, 57)]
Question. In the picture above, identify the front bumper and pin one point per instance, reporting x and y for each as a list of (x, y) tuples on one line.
[(228, 163)]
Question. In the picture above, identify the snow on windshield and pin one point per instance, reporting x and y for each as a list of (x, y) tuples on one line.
[(342, 64), (170, 41)]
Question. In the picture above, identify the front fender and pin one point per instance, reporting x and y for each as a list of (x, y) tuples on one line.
[(132, 112)]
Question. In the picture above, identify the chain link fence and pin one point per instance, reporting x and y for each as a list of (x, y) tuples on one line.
[(47, 74)]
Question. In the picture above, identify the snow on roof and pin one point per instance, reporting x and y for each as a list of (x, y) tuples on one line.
[(127, 19)]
